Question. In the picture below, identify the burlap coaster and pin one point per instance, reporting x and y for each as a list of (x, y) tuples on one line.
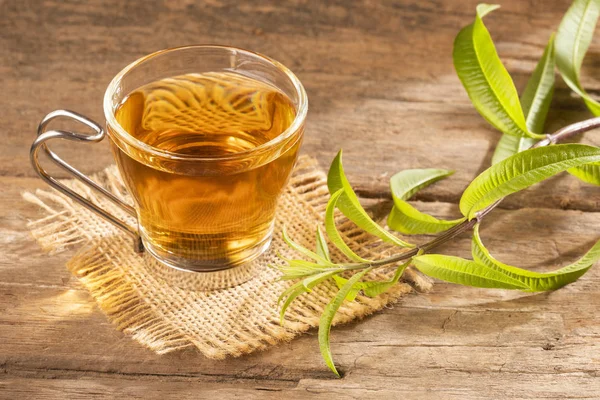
[(141, 298)]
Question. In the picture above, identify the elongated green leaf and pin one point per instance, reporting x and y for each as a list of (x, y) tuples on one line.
[(535, 281), (304, 286), (464, 272), (572, 42), (370, 288), (537, 96), (589, 173), (509, 145), (289, 295), (340, 282), (485, 78), (521, 171), (407, 183), (373, 289), (322, 249), (311, 281), (574, 36), (303, 250), (332, 231), (535, 101), (299, 268), (405, 218), (350, 206), (351, 296), (327, 318)]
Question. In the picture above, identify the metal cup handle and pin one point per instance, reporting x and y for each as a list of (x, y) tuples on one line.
[(44, 135)]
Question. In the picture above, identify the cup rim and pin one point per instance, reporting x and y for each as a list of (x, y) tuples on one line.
[(123, 135)]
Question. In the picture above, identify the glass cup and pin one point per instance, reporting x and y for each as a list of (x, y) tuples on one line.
[(193, 213)]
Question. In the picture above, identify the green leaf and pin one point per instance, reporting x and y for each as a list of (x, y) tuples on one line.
[(535, 281), (298, 269), (327, 318), (332, 231), (350, 206), (290, 295), (303, 250), (509, 145), (572, 42), (573, 39), (464, 272), (485, 78), (311, 281), (589, 173), (322, 249), (535, 101), (537, 96), (404, 217), (304, 286), (340, 282), (371, 288), (407, 183), (521, 171)]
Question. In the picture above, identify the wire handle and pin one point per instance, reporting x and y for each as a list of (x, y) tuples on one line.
[(44, 135)]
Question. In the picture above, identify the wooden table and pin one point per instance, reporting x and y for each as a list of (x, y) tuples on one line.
[(381, 84)]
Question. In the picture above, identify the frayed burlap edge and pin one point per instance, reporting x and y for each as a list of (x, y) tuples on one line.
[(246, 318)]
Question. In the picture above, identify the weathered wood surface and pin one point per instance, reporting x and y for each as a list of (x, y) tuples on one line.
[(381, 85)]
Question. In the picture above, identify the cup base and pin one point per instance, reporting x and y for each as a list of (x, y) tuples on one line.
[(200, 275)]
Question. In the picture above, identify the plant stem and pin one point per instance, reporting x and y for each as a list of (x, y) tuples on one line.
[(569, 131), (467, 225)]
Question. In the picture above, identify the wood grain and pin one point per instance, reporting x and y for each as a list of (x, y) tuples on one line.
[(381, 85)]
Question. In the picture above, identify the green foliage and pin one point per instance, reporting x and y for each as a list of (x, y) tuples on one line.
[(589, 173), (322, 249), (406, 219), (464, 272), (537, 96), (304, 251), (328, 315), (295, 269), (515, 168), (350, 206), (509, 145), (407, 183), (487, 82), (572, 42), (521, 171), (332, 231), (371, 288), (535, 281), (304, 286), (535, 100), (354, 290)]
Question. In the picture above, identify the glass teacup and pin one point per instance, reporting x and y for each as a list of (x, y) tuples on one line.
[(205, 138)]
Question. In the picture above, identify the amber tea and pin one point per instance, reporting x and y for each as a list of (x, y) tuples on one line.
[(217, 212)]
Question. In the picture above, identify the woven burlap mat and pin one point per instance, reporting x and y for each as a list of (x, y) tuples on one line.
[(143, 300)]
